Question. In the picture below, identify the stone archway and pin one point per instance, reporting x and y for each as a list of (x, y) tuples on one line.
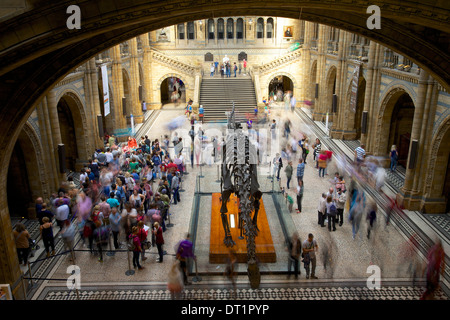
[(330, 90), (27, 177), (283, 80), (383, 122), (165, 90), (437, 179), (74, 129)]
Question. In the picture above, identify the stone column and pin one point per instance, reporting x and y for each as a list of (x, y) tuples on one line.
[(376, 83), (96, 109), (407, 196), (147, 62), (55, 131), (234, 31), (305, 63), (135, 81), (90, 107), (47, 145), (320, 109), (341, 85), (118, 120), (216, 34), (368, 98)]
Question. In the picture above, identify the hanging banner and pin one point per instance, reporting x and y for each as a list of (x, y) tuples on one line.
[(106, 105), (354, 93)]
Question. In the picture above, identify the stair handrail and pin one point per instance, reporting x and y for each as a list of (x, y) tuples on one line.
[(285, 58), (175, 63)]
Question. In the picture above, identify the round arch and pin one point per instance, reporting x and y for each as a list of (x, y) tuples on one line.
[(437, 180), (383, 122), (330, 88), (312, 80), (288, 83), (74, 103)]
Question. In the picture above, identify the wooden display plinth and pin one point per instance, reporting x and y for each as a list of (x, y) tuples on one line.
[(218, 252)]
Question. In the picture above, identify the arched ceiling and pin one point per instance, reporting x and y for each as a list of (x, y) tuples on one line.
[(37, 49)]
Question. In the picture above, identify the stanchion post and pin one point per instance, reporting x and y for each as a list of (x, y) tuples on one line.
[(197, 278), (31, 275), (218, 176), (110, 253), (129, 272)]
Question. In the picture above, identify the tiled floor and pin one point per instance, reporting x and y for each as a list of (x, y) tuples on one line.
[(349, 258)]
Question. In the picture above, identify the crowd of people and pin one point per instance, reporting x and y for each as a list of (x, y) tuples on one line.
[(117, 196)]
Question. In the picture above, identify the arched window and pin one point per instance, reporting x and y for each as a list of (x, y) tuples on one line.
[(181, 31), (230, 28), (220, 29), (211, 29), (240, 28), (260, 28), (269, 28), (190, 31)]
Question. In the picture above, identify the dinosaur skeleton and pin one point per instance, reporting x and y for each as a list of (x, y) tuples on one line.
[(239, 176)]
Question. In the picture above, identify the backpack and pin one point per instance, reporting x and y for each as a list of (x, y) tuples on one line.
[(156, 160), (130, 243), (333, 210)]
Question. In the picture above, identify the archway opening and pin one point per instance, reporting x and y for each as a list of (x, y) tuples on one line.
[(279, 86), (23, 181), (401, 127), (68, 130), (172, 91), (360, 105)]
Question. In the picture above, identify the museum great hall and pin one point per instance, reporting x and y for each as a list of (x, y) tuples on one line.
[(353, 86)]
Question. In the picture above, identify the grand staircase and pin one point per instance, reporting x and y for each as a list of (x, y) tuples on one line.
[(218, 94)]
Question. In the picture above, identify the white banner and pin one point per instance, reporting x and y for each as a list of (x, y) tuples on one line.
[(105, 90), (354, 93)]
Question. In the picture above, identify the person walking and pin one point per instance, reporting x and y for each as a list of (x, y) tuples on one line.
[(300, 170), (340, 200), (295, 248), (212, 69), (310, 248), (322, 163), (321, 210), (288, 170), (175, 186), (435, 268), (134, 238), (360, 155), (22, 236), (371, 217), (201, 113), (175, 281), (317, 148), (299, 196), (159, 240), (393, 154), (46, 230), (115, 223), (331, 213), (142, 234), (184, 254)]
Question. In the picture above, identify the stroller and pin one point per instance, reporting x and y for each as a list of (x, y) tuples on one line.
[(33, 247)]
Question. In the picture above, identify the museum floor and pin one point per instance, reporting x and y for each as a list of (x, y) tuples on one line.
[(344, 279)]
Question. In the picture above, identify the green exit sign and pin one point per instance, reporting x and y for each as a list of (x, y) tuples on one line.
[(294, 46)]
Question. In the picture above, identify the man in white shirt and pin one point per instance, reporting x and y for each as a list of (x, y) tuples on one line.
[(62, 214), (109, 156), (310, 248), (340, 200)]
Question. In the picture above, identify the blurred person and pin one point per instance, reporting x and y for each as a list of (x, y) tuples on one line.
[(159, 240), (184, 254), (230, 269), (68, 235), (322, 163), (331, 212), (371, 217), (409, 255), (359, 156), (175, 281), (134, 238), (310, 248), (62, 214), (321, 210), (435, 268), (305, 149), (356, 211), (175, 186), (300, 170), (340, 200), (295, 248), (142, 234), (393, 155), (129, 218), (46, 230), (317, 148), (299, 196), (115, 223), (289, 171), (44, 212)]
